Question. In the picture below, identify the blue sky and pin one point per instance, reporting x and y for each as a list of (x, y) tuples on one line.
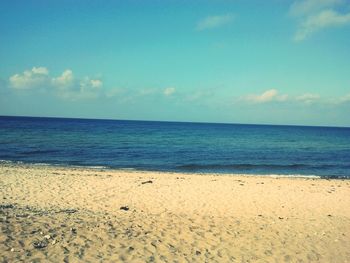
[(275, 62)]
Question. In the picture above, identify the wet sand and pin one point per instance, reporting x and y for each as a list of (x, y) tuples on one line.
[(88, 215)]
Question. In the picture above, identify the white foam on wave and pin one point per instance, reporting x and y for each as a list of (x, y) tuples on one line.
[(5, 161), (293, 176), (42, 164), (11, 162), (96, 167), (55, 164), (127, 169)]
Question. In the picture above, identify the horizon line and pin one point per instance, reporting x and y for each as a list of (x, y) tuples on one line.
[(172, 121)]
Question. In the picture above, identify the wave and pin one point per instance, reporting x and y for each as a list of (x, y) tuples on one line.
[(273, 170), (327, 171), (38, 152), (126, 168), (54, 164), (10, 162), (246, 166), (294, 176)]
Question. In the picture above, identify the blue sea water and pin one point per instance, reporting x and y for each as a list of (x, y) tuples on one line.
[(176, 146)]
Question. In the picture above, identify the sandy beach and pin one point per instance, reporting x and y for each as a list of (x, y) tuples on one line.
[(55, 214)]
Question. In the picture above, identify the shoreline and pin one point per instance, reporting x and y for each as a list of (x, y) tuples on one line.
[(204, 173), (51, 213)]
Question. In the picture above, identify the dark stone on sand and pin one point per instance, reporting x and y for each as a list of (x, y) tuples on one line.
[(198, 253), (73, 230), (40, 244), (147, 182), (6, 206), (21, 243), (131, 248), (329, 215), (154, 243), (125, 208), (69, 211)]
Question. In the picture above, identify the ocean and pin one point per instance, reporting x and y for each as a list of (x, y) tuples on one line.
[(177, 146)]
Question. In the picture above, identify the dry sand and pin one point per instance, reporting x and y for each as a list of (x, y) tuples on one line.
[(73, 215)]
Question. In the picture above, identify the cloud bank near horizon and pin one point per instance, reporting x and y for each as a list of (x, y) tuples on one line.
[(65, 86), (69, 87)]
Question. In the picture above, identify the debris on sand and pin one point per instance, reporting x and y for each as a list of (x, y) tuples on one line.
[(147, 182), (69, 211), (40, 244), (6, 206), (125, 208)]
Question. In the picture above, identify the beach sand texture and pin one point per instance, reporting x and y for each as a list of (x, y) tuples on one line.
[(55, 214)]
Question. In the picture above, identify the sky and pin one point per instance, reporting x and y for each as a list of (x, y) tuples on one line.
[(233, 61)]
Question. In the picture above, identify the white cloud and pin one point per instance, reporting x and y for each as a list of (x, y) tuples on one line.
[(267, 96), (65, 80), (65, 86), (40, 70), (35, 77), (80, 89), (308, 98), (214, 21), (324, 19), (306, 7), (169, 91), (344, 99), (96, 83), (88, 85), (315, 15), (273, 95)]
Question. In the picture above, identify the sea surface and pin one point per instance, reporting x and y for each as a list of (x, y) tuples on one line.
[(176, 146)]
